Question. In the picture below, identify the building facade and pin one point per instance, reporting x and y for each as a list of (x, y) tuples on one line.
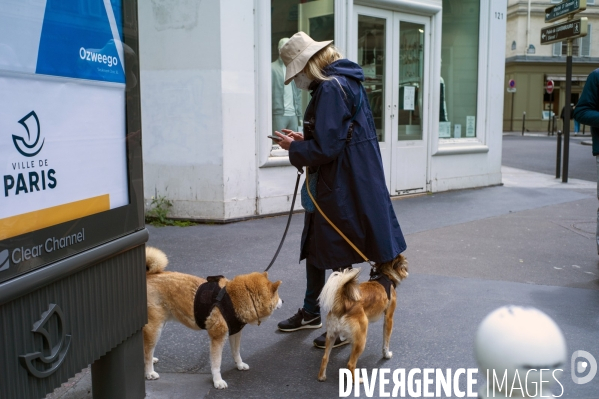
[(211, 94), (531, 65)]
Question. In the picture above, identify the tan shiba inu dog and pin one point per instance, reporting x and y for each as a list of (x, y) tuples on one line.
[(172, 296), (350, 306)]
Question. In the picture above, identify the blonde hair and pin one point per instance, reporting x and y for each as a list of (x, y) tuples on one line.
[(319, 61)]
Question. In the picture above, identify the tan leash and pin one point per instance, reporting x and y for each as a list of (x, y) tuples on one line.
[(333, 224)]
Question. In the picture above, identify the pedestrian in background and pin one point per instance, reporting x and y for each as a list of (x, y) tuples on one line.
[(561, 116), (340, 143), (587, 112)]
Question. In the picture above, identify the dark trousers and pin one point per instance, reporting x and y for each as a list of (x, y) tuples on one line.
[(315, 279)]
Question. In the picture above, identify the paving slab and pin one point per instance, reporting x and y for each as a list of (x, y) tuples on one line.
[(547, 246), (435, 325), (529, 243), (539, 154)]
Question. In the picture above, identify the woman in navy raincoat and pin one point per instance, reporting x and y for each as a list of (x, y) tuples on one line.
[(351, 187)]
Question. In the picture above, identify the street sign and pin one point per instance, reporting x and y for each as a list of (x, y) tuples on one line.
[(564, 9), (512, 84), (565, 30), (511, 89)]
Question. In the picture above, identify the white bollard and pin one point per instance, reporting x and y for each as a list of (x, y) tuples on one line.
[(521, 352)]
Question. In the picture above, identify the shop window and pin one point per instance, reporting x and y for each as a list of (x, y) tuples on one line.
[(459, 69), (315, 18)]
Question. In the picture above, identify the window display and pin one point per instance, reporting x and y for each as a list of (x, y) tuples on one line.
[(315, 18), (459, 69)]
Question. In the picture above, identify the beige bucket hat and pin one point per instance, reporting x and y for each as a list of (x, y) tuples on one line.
[(297, 52)]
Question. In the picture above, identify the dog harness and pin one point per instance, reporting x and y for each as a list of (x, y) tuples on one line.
[(210, 295), (383, 280)]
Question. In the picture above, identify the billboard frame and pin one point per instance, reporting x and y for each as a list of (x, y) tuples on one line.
[(103, 227)]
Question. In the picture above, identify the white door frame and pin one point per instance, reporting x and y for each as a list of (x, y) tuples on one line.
[(433, 10), (411, 153)]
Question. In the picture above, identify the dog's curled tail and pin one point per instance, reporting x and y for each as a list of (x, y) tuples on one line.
[(402, 267), (340, 292), (156, 260)]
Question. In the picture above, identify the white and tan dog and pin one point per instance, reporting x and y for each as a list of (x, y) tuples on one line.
[(350, 306), (171, 296)]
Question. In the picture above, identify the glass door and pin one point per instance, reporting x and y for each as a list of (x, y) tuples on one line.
[(390, 47), (410, 68), (373, 54)]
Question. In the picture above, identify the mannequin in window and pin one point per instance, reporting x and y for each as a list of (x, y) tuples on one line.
[(286, 99), (443, 105)]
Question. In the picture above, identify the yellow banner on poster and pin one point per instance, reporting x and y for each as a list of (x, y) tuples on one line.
[(27, 222)]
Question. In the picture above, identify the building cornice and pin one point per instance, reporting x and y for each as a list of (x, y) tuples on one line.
[(538, 8)]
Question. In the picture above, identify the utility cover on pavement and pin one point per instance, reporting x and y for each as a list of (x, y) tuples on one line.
[(565, 30), (564, 9)]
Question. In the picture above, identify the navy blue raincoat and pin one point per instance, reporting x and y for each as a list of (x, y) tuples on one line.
[(351, 187)]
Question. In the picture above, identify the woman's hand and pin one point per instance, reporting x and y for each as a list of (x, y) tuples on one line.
[(285, 141), (295, 135)]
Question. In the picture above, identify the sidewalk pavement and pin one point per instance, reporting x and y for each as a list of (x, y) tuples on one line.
[(529, 242)]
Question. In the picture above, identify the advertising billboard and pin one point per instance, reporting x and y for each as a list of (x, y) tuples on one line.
[(65, 140)]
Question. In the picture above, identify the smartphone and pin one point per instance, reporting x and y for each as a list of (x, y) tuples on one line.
[(274, 137)]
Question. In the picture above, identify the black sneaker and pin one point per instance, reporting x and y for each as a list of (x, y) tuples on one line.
[(300, 320), (320, 342)]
